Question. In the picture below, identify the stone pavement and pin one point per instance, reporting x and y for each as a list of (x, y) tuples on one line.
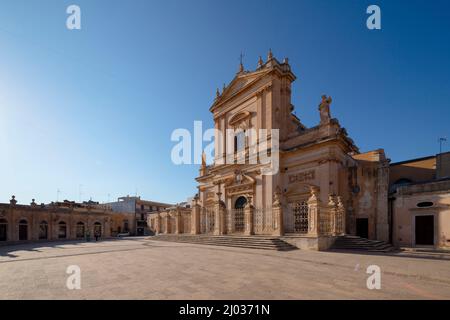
[(138, 268)]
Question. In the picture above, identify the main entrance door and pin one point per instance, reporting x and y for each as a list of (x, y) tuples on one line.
[(425, 230), (239, 225), (362, 228)]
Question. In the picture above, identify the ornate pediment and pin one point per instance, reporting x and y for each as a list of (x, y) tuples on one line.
[(239, 83), (239, 183)]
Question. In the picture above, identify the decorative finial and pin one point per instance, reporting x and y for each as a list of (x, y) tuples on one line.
[(13, 200), (224, 87), (260, 62), (241, 64), (217, 93), (270, 55), (286, 60)]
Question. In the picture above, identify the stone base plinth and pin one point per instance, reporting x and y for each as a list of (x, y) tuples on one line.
[(320, 243)]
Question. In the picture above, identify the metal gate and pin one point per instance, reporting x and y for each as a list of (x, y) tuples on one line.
[(207, 220), (299, 213), (239, 224)]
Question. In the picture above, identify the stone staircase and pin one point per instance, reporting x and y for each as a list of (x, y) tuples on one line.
[(250, 242), (357, 243)]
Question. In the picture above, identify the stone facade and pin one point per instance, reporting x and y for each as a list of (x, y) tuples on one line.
[(419, 202), (141, 209), (324, 186), (59, 221)]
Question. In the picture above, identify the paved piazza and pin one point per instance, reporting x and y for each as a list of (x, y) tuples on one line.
[(138, 268)]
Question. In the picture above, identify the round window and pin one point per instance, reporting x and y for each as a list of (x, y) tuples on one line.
[(425, 204)]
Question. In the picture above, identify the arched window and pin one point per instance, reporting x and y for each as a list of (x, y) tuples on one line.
[(80, 230), (3, 230), (240, 203), (23, 230), (62, 230), (126, 227), (239, 141), (98, 229), (43, 230)]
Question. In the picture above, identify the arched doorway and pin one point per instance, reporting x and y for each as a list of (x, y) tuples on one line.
[(80, 230), (239, 205), (3, 230), (23, 230), (62, 230), (43, 230), (98, 229)]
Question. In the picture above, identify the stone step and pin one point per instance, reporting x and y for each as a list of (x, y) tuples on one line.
[(257, 242), (227, 241), (361, 244)]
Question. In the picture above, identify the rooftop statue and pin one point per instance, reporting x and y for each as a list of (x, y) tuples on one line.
[(324, 109)]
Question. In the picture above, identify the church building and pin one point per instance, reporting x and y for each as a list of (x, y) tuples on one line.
[(322, 186)]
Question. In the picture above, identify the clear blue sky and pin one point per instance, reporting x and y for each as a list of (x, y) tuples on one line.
[(96, 107)]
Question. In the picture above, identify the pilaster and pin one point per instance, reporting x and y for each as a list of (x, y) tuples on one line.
[(248, 214), (277, 215), (314, 213)]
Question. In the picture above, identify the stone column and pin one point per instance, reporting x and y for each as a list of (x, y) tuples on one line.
[(158, 223), (107, 228), (382, 229), (248, 215), (277, 216), (167, 223), (332, 213), (178, 222), (195, 217), (314, 213), (12, 234), (220, 211)]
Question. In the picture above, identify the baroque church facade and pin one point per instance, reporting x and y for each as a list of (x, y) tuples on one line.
[(323, 186)]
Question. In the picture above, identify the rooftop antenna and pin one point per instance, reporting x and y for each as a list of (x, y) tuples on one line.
[(441, 141), (57, 194), (109, 196)]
